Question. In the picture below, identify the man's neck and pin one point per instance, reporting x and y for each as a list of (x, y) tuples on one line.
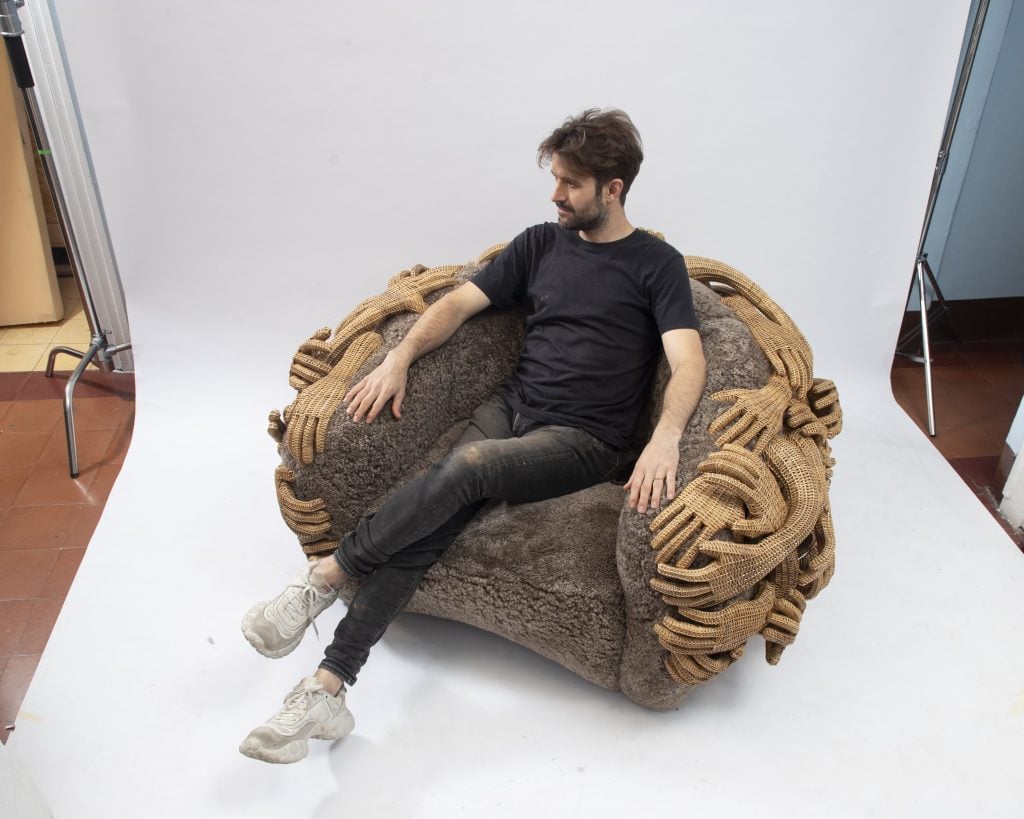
[(616, 227)]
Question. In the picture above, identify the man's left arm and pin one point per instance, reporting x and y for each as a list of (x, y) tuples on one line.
[(655, 470)]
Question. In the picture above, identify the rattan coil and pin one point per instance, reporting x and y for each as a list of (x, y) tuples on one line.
[(746, 543)]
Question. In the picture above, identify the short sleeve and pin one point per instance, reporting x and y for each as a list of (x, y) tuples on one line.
[(671, 297), (505, 279)]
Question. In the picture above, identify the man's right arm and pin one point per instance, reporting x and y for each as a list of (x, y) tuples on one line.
[(387, 381)]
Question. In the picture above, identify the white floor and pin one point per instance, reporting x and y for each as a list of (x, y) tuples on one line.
[(903, 695)]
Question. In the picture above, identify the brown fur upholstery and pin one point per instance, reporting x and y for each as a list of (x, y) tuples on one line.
[(568, 578)]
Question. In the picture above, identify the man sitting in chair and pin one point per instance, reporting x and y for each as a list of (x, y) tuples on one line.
[(602, 299)]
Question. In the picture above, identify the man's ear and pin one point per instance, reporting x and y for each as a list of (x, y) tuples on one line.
[(614, 189)]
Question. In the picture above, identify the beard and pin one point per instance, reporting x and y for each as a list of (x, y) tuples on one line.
[(592, 217)]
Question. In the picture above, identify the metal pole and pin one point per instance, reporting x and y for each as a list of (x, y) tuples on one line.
[(926, 349), (953, 118), (940, 168)]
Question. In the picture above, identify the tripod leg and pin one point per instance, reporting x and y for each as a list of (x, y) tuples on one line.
[(927, 353), (69, 410), (943, 304)]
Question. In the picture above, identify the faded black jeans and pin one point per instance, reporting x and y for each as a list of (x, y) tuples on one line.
[(502, 455)]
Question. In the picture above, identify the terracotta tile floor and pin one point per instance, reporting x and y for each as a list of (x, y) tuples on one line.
[(46, 518), (977, 388)]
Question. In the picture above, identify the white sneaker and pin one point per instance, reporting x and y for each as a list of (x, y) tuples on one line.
[(275, 627), (309, 713)]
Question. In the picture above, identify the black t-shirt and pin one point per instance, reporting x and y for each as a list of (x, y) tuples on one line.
[(595, 315)]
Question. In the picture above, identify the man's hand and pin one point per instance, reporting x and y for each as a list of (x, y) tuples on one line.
[(655, 470), (654, 473), (386, 382)]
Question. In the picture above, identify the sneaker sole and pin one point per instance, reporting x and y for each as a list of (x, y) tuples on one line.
[(341, 726), (257, 642), (285, 755)]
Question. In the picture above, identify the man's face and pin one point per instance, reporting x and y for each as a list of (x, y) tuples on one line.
[(579, 202)]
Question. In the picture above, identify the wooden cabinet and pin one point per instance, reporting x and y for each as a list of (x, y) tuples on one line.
[(28, 284)]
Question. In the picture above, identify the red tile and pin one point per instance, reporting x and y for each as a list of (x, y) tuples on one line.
[(1004, 378), (39, 625), (93, 384), (23, 574), (907, 380), (11, 384), (13, 685), (954, 411), (14, 615), (119, 444), (91, 447), (947, 356), (106, 475), (976, 472), (4, 406), (63, 573), (967, 441), (51, 486), (11, 481), (37, 527), (1002, 353), (981, 406), (22, 448), (961, 379), (101, 413), (34, 416), (83, 525)]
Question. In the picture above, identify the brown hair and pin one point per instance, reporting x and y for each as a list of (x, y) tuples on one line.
[(602, 144)]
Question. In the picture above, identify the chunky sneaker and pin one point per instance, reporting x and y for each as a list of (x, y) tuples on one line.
[(275, 627), (309, 712)]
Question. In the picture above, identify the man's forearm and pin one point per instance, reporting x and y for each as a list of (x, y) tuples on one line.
[(682, 394), (387, 381), (431, 330)]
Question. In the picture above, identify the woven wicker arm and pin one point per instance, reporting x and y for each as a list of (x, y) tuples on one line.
[(326, 455), (749, 538)]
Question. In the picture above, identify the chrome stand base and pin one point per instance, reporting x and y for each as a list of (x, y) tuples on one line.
[(99, 350)]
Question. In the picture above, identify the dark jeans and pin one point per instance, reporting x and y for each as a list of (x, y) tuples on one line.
[(502, 455)]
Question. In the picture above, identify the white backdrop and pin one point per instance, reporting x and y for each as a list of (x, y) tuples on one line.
[(263, 167)]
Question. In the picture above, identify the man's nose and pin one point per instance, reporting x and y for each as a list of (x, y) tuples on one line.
[(558, 194)]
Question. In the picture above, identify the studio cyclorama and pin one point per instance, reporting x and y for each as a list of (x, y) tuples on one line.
[(438, 409)]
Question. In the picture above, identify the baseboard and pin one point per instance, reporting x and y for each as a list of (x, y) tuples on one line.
[(1002, 470), (974, 319)]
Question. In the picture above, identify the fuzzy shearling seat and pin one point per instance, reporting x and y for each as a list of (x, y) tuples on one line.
[(650, 604)]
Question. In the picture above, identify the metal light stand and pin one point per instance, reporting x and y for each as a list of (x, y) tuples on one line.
[(100, 352), (921, 267)]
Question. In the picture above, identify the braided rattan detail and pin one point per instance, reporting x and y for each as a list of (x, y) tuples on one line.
[(746, 543), (326, 363), (308, 519), (322, 371)]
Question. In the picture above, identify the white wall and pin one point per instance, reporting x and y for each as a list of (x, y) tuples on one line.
[(312, 155)]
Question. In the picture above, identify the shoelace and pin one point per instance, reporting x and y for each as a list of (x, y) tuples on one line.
[(296, 704), (297, 607)]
